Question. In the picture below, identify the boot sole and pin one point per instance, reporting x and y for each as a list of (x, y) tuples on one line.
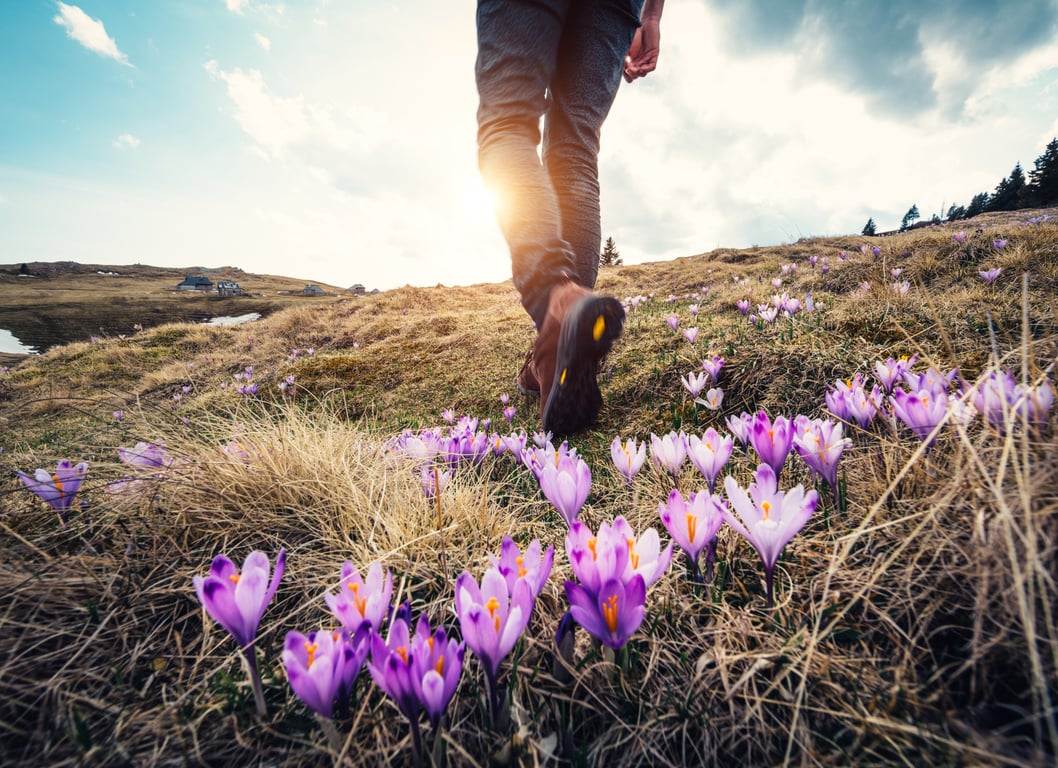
[(587, 335)]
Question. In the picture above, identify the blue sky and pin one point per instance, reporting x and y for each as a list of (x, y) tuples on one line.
[(335, 140)]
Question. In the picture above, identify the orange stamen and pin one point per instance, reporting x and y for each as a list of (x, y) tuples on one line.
[(403, 652), (692, 525), (441, 666), (632, 556), (591, 546), (58, 483), (359, 602), (609, 612), (521, 571), (766, 506), (311, 650), (235, 577)]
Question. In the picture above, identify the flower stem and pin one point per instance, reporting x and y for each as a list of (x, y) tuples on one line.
[(416, 739), (334, 739), (250, 658)]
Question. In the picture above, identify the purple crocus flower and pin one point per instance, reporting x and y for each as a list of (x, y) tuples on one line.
[(668, 452), (990, 275), (821, 444), (237, 601), (322, 666), (390, 667), (492, 618), (437, 666), (739, 426), (959, 237), (566, 483), (693, 524), (892, 370), (743, 305), (771, 439), (768, 518), (673, 321), (359, 601), (694, 382), (691, 334), (713, 366), (59, 488), (531, 566), (627, 457), (645, 555), (921, 410), (611, 615), (709, 453), (1000, 243), (712, 400), (147, 455)]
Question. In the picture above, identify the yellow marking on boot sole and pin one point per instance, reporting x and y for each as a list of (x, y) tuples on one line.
[(600, 327), (562, 378)]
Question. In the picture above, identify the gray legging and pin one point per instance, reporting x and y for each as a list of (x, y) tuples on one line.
[(562, 59)]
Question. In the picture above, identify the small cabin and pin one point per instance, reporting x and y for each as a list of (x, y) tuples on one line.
[(313, 290), (228, 288), (358, 289), (196, 283)]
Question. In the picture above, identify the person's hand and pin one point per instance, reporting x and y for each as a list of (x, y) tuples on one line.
[(642, 58)]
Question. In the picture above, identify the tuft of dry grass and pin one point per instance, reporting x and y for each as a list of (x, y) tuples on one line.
[(917, 626)]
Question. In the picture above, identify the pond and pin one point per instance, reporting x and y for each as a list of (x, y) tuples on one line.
[(10, 344), (236, 320)]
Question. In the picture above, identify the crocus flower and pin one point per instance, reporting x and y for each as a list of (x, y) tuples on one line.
[(713, 399), (673, 321), (627, 457), (743, 305), (237, 601), (771, 439), (390, 666), (691, 334), (359, 601), (492, 618), (531, 566), (645, 555), (692, 524), (57, 489), (921, 410), (739, 426), (891, 370), (611, 615), (694, 382), (959, 237), (713, 366), (990, 275), (1000, 244), (768, 518), (509, 412), (709, 453), (145, 455), (566, 484), (322, 666), (668, 452), (821, 445), (437, 666)]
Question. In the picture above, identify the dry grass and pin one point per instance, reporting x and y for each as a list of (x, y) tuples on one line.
[(918, 627)]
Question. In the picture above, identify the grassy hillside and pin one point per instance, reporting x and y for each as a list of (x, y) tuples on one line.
[(913, 624)]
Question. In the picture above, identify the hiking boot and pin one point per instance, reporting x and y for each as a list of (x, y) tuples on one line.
[(527, 381), (578, 331)]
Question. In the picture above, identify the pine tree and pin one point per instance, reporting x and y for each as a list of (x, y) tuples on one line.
[(910, 217), (1043, 185), (977, 205), (956, 212), (610, 257), (869, 228), (1010, 192)]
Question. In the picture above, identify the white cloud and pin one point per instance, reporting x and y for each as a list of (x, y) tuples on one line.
[(88, 32), (126, 140), (263, 41), (272, 121), (236, 6)]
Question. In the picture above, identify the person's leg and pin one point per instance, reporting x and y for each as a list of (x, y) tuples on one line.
[(517, 52), (595, 41)]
